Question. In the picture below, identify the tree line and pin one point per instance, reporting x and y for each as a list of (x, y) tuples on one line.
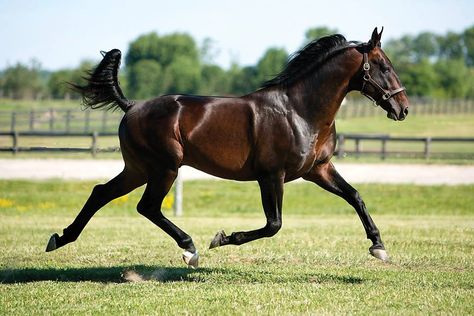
[(429, 65)]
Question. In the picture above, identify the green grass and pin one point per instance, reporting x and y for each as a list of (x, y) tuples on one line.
[(27, 105), (317, 263), (430, 125)]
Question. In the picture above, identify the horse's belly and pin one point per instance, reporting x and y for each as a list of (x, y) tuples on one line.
[(233, 169), (224, 157)]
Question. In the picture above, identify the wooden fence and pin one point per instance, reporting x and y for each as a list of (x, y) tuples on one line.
[(347, 144), (59, 120), (68, 121), (93, 149), (383, 152)]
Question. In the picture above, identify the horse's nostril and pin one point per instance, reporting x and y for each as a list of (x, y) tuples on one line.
[(405, 111)]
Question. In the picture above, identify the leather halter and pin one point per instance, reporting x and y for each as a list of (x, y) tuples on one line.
[(367, 78)]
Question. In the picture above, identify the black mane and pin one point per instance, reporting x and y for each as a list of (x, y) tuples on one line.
[(309, 57)]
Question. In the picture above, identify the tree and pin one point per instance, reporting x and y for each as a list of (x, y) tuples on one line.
[(243, 80), (455, 78), (270, 64), (468, 39), (420, 79), (146, 79), (425, 46), (146, 46), (22, 82), (400, 50), (214, 81), (451, 46), (58, 83), (174, 63), (182, 76), (318, 32)]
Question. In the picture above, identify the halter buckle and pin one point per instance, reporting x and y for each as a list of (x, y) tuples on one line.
[(386, 96), (366, 66)]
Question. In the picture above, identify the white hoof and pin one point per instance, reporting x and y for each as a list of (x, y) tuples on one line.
[(191, 259), (380, 254)]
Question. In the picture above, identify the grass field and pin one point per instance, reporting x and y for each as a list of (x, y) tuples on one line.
[(317, 264)]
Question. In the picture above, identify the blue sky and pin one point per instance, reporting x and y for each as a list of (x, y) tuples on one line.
[(61, 33)]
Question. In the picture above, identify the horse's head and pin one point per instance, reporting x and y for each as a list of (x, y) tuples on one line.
[(378, 80)]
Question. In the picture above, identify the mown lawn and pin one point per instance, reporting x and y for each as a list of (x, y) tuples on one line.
[(317, 264)]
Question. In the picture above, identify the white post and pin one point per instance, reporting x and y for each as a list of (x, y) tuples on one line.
[(178, 196)]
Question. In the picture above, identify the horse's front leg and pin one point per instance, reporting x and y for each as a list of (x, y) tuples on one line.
[(271, 189), (329, 179)]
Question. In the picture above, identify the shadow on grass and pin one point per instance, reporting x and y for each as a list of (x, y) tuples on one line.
[(141, 273), (98, 274)]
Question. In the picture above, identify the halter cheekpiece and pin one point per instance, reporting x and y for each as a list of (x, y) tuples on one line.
[(367, 78)]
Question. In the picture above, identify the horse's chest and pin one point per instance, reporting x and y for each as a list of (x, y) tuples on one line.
[(303, 152), (309, 148)]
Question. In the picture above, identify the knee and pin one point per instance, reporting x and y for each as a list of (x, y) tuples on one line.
[(272, 227), (98, 189), (143, 208)]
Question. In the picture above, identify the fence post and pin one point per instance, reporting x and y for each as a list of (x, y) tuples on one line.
[(178, 196), (51, 119), (357, 145), (427, 147), (87, 121), (13, 122), (384, 148), (68, 121), (94, 143), (32, 120), (340, 146), (104, 121), (15, 142)]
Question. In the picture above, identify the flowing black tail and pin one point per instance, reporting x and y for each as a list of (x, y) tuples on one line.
[(102, 89)]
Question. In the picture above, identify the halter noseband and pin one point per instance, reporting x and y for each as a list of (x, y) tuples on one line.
[(367, 78)]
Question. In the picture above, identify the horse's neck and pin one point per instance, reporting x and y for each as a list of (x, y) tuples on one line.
[(318, 96)]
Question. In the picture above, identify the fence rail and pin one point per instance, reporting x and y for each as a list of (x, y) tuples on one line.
[(383, 152), (102, 121), (378, 145), (93, 149)]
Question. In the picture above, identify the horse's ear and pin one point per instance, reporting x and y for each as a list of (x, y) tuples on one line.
[(375, 39)]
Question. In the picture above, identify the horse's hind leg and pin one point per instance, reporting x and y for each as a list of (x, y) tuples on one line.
[(122, 184), (329, 179), (149, 206)]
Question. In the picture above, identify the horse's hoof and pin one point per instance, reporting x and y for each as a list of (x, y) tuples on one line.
[(191, 259), (52, 243), (217, 241), (380, 254)]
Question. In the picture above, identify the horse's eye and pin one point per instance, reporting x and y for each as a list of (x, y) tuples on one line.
[(385, 69)]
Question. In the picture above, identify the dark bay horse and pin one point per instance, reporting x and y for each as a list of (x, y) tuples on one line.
[(279, 133)]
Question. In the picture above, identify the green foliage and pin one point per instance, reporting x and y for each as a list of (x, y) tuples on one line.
[(163, 64), (145, 79), (58, 82), (22, 82), (243, 80), (429, 65), (318, 32), (433, 65), (454, 78), (271, 63), (214, 80), (468, 39), (182, 75)]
